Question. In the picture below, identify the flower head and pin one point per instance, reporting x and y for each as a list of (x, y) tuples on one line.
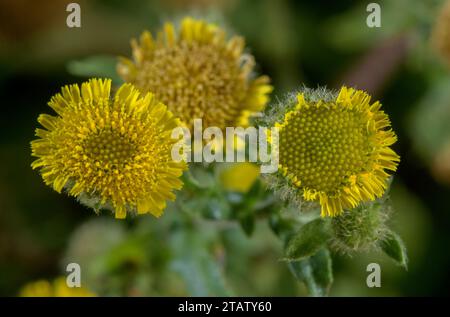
[(57, 288), (198, 73), (110, 153), (239, 177), (335, 149)]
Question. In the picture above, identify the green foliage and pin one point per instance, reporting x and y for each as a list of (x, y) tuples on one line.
[(196, 265), (348, 32), (280, 225), (428, 123), (103, 66), (247, 221), (204, 194), (308, 240), (315, 271)]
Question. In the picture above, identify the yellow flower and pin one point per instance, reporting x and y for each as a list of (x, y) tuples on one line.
[(198, 73), (109, 153), (58, 288), (441, 33), (240, 177), (337, 150)]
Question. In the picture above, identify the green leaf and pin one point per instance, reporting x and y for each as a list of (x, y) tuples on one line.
[(428, 123), (308, 240), (256, 190), (394, 247), (280, 226), (234, 198), (216, 208), (316, 272), (199, 178), (95, 66), (128, 255), (198, 268), (247, 221)]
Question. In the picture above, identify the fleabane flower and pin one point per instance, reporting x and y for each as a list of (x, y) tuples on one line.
[(56, 288), (198, 73), (441, 32), (110, 153), (335, 148), (239, 177)]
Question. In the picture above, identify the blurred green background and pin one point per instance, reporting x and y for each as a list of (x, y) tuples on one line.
[(296, 43)]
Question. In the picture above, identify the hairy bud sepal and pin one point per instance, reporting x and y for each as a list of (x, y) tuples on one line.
[(361, 228)]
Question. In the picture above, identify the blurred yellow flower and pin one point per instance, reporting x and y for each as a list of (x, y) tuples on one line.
[(109, 153), (57, 288), (239, 177), (441, 33), (198, 73), (337, 151)]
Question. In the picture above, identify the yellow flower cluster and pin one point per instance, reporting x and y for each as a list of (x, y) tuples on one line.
[(115, 152)]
